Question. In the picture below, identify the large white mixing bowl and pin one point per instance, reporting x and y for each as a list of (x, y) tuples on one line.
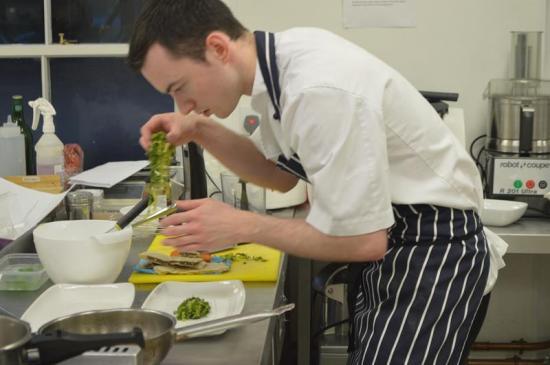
[(80, 252)]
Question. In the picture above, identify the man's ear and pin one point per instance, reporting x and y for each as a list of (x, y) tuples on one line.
[(218, 44)]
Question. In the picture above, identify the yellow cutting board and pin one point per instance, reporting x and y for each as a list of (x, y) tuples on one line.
[(245, 271)]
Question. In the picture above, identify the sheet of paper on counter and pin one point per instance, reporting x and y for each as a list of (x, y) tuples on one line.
[(21, 208), (379, 13), (108, 174)]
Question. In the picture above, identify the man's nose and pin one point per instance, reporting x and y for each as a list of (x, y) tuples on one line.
[(185, 106)]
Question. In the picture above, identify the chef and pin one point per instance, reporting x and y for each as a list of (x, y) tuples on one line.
[(394, 192)]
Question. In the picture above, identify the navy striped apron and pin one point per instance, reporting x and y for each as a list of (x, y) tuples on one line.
[(417, 304)]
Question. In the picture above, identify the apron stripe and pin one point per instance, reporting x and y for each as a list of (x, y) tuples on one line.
[(404, 320), (444, 304), (423, 317), (453, 317), (274, 74), (421, 298), (267, 62), (265, 48), (394, 309), (293, 166)]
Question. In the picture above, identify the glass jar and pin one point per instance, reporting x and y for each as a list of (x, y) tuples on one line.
[(79, 205)]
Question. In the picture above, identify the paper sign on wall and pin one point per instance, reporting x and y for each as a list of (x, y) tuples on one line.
[(379, 13)]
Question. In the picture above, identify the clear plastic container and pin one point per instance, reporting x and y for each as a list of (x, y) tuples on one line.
[(21, 271)]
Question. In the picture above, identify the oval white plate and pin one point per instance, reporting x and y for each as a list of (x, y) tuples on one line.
[(63, 299), (226, 298)]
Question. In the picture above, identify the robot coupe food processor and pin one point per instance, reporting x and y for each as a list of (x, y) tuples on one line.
[(518, 137)]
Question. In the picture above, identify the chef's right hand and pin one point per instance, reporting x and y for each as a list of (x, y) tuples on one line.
[(179, 128)]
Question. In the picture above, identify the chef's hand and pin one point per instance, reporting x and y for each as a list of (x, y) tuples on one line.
[(203, 225), (179, 128)]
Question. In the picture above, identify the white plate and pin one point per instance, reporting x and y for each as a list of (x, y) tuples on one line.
[(226, 298), (64, 299)]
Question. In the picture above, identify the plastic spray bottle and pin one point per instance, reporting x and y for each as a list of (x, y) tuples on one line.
[(49, 148)]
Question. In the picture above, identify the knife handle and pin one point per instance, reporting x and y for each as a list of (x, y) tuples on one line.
[(133, 213)]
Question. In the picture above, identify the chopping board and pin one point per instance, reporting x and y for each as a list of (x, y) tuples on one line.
[(240, 270)]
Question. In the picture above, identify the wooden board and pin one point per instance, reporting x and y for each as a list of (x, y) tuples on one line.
[(44, 183)]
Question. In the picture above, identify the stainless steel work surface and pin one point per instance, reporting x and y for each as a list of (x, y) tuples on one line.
[(526, 236), (251, 344)]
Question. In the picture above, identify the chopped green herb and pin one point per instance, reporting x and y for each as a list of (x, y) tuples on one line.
[(240, 256), (160, 156), (30, 268), (192, 308)]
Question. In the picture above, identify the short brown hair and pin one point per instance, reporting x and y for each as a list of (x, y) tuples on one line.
[(181, 26)]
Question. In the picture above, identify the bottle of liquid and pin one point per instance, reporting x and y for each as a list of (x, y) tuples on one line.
[(12, 150), (49, 148), (18, 118)]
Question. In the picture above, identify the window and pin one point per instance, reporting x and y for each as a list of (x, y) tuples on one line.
[(100, 102)]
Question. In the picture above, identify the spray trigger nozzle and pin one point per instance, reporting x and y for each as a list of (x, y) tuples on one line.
[(42, 107)]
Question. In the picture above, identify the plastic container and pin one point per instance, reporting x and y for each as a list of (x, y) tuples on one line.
[(12, 150), (21, 271)]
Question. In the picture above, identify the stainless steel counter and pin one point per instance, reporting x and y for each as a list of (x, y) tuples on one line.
[(259, 343), (527, 236)]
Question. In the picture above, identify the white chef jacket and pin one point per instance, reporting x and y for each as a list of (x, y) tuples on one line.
[(365, 136)]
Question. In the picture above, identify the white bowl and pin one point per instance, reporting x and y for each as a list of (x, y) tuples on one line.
[(80, 252), (501, 212)]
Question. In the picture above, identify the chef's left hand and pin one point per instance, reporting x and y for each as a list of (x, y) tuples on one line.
[(203, 225)]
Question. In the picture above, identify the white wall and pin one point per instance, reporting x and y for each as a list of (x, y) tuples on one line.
[(457, 46)]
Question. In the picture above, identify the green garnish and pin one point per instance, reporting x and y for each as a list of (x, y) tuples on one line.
[(160, 156), (192, 308), (239, 256), (30, 268)]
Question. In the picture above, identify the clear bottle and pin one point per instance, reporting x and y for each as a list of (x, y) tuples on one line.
[(12, 150), (50, 159), (18, 118)]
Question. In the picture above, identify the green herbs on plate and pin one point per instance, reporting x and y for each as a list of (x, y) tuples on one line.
[(192, 308)]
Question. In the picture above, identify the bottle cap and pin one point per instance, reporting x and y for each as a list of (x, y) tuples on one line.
[(9, 129)]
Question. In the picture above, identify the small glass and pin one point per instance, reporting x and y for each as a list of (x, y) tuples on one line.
[(241, 194), (79, 205)]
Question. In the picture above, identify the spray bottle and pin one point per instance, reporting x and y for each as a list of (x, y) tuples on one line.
[(49, 148)]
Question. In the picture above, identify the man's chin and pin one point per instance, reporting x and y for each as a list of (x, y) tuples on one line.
[(221, 115)]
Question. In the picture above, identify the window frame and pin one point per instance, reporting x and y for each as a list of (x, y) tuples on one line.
[(49, 50)]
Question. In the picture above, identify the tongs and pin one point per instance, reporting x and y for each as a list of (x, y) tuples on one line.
[(158, 214), (136, 210)]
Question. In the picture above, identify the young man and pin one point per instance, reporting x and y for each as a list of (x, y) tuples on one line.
[(393, 191)]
